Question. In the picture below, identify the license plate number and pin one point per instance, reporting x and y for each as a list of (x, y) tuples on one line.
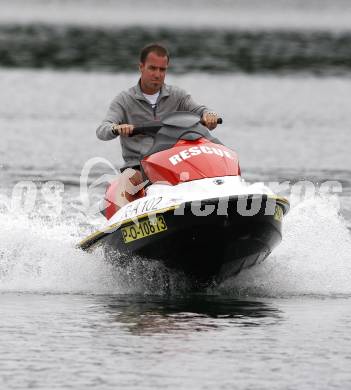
[(145, 228)]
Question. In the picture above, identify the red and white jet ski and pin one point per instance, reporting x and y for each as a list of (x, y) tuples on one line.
[(197, 214)]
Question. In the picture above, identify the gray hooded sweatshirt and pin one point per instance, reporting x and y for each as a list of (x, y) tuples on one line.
[(133, 108)]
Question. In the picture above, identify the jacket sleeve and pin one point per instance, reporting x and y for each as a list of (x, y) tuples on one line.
[(115, 114), (188, 104)]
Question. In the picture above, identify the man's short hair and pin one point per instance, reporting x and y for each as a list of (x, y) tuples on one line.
[(153, 48)]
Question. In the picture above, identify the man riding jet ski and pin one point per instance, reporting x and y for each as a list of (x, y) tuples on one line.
[(195, 213), (149, 100)]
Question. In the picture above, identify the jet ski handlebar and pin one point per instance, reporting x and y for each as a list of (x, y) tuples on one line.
[(150, 127), (154, 127)]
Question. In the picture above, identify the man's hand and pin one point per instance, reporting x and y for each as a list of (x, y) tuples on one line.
[(123, 129), (209, 119)]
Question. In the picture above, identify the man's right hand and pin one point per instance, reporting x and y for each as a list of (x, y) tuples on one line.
[(124, 129)]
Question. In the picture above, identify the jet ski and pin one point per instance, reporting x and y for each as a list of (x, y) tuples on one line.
[(196, 213)]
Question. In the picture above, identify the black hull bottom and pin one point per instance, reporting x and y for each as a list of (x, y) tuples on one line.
[(205, 248)]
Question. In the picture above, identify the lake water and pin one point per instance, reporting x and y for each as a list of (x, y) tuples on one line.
[(197, 342), (70, 320)]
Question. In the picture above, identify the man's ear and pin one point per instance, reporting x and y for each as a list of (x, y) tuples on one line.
[(141, 66)]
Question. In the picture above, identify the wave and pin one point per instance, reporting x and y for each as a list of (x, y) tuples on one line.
[(314, 257), (41, 256)]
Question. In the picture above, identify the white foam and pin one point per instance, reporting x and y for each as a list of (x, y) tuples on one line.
[(41, 257), (37, 257), (314, 257)]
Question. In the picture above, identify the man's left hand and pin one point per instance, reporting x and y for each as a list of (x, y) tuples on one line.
[(209, 119)]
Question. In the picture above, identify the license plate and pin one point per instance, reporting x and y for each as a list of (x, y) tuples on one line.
[(144, 229)]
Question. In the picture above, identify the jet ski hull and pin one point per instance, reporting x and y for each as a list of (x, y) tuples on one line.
[(210, 241)]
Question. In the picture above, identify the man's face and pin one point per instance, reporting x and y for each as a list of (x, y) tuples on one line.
[(153, 73)]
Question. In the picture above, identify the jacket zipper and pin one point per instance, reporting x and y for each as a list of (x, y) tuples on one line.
[(154, 108)]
